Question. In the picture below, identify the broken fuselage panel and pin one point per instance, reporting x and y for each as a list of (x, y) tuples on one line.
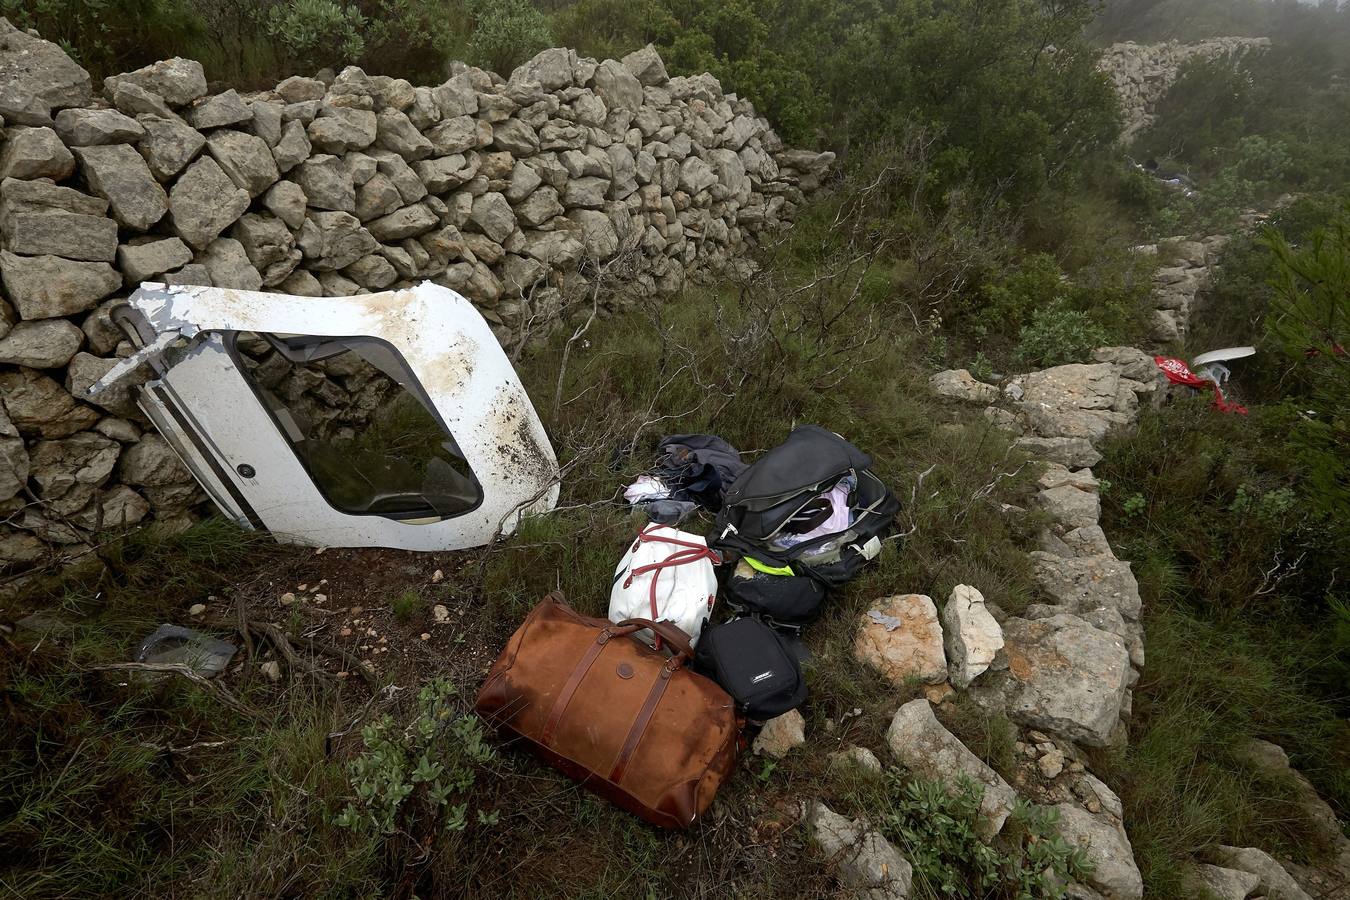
[(429, 442)]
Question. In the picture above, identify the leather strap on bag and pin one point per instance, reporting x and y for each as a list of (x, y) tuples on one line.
[(644, 717), (672, 633), (570, 688), (691, 553)]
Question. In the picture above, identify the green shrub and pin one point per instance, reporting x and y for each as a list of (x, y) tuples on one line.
[(506, 33), (416, 770), (1059, 334), (936, 830), (318, 32)]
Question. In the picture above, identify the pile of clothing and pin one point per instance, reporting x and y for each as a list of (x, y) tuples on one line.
[(805, 518)]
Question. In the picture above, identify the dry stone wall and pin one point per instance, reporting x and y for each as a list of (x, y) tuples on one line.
[(512, 191), (1142, 73)]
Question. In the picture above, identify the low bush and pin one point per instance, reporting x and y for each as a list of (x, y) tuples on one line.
[(407, 775)]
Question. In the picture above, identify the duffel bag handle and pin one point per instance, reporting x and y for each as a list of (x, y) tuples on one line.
[(673, 633)]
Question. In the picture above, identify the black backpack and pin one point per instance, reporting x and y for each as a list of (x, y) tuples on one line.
[(754, 664), (781, 494), (775, 594)]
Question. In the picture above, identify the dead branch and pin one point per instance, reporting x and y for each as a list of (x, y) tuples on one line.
[(221, 692)]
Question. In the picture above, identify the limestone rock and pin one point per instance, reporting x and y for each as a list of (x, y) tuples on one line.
[(551, 68), (780, 734), (457, 135), (90, 127), (646, 66), (334, 240), (13, 464), (168, 145), (293, 147), (1090, 582), (179, 81), (539, 207), (229, 266), (1066, 677), (515, 136), (297, 89), (204, 202), (134, 100), (927, 749), (372, 272), (267, 122), (972, 636), (1272, 879), (120, 175), (44, 287), (597, 233), (37, 219), (1075, 452), (394, 132), (43, 344), (492, 214), (38, 76), (68, 471), (1225, 884), (338, 129), (269, 245), (286, 200), (34, 153), (856, 756), (152, 463), (866, 861), (901, 638), (1107, 847), (1070, 505), (327, 183), (142, 261), (219, 111), (617, 86), (245, 158), (404, 223), (39, 407), (116, 508), (85, 369), (959, 384), (554, 248)]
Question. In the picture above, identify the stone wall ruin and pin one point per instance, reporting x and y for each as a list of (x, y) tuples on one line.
[(510, 191)]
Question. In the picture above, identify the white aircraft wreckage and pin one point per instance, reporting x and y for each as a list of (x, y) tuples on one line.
[(452, 456)]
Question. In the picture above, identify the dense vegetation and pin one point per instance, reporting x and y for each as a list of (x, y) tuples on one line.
[(995, 219)]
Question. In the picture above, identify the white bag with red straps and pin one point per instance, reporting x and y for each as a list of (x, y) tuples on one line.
[(666, 575)]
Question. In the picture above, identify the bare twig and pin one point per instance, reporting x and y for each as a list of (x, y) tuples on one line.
[(221, 692)]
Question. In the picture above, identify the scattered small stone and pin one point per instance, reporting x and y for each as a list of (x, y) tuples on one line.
[(343, 675), (197, 609), (437, 576), (937, 694), (287, 598), (781, 734), (426, 636), (272, 669), (302, 587), (344, 631), (1051, 764), (440, 614), (320, 598)]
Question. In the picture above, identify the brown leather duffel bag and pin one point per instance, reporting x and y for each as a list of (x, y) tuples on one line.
[(627, 722)]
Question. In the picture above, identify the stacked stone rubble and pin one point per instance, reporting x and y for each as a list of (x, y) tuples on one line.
[(514, 192), (1067, 666), (1142, 73)]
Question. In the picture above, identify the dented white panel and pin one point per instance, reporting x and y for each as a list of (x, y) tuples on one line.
[(445, 343)]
